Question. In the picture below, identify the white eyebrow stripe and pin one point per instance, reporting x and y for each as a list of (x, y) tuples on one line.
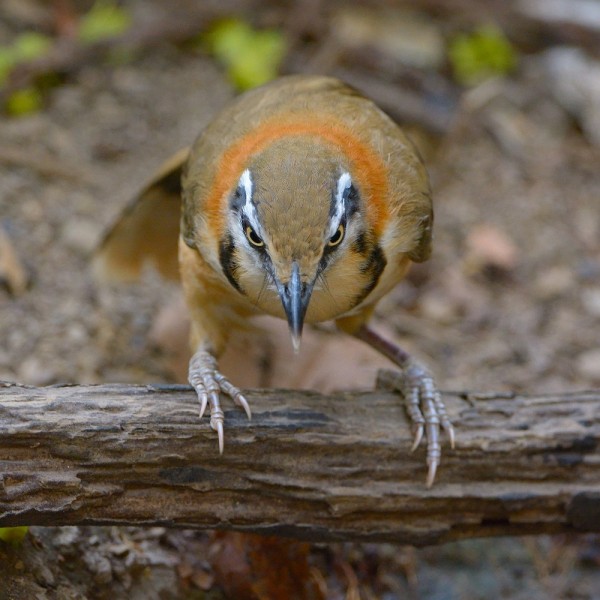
[(249, 208), (344, 183), (246, 183)]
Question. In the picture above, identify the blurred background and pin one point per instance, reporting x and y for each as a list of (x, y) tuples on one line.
[(503, 99)]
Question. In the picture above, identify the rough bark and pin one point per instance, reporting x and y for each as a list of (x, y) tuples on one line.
[(309, 466)]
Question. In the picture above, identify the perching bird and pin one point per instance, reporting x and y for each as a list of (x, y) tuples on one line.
[(302, 200)]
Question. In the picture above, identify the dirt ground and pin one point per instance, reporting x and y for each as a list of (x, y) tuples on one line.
[(509, 301)]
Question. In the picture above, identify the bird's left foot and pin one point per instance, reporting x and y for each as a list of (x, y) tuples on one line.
[(427, 412)]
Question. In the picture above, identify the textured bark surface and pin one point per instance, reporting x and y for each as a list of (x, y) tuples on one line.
[(308, 466)]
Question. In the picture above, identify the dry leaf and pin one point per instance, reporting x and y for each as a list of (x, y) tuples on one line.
[(255, 567), (202, 579), (12, 273)]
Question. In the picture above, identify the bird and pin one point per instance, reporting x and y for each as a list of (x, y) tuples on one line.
[(303, 200)]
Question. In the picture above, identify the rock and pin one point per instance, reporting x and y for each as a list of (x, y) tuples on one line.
[(43, 575), (406, 36), (591, 301), (588, 364), (584, 13), (66, 538), (574, 80)]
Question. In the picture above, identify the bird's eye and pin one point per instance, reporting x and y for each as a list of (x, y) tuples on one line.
[(253, 237), (337, 237)]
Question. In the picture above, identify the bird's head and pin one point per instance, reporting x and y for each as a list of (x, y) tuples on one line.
[(296, 241)]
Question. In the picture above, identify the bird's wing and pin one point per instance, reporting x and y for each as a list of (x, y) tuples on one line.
[(147, 231)]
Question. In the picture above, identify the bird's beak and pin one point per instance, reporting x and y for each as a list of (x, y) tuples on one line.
[(295, 296)]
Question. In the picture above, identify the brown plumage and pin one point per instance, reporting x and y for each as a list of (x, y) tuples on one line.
[(302, 200)]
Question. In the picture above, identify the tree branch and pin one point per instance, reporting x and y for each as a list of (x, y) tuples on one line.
[(307, 465)]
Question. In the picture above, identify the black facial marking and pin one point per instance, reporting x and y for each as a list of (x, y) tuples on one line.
[(375, 262), (333, 204), (228, 261), (352, 201), (323, 263), (372, 267), (238, 198), (360, 243)]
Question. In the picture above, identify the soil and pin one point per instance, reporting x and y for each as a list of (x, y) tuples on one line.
[(510, 300)]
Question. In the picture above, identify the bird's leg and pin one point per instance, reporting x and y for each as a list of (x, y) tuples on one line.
[(423, 400), (209, 383)]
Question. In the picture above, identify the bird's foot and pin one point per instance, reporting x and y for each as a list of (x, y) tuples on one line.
[(209, 383), (427, 412)]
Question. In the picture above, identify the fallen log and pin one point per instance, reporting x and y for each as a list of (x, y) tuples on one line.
[(309, 466)]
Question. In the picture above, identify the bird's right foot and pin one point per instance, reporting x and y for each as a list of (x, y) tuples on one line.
[(209, 383)]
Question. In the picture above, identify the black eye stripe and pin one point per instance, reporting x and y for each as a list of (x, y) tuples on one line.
[(372, 267), (351, 200), (360, 243), (238, 198), (229, 263)]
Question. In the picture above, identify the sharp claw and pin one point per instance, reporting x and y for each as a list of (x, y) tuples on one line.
[(433, 465), (221, 435), (245, 406), (450, 432), (203, 404), (418, 438)]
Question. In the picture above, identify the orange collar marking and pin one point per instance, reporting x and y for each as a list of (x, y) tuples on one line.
[(368, 167)]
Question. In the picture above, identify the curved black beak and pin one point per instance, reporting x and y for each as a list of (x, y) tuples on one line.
[(295, 297)]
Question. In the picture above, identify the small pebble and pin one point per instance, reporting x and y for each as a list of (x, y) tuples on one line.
[(80, 235), (441, 310), (554, 282), (66, 537), (100, 567), (43, 575)]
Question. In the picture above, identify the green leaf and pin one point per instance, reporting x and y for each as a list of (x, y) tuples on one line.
[(7, 62), (252, 57), (24, 102), (27, 46), (31, 45), (484, 53), (104, 20), (13, 535)]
